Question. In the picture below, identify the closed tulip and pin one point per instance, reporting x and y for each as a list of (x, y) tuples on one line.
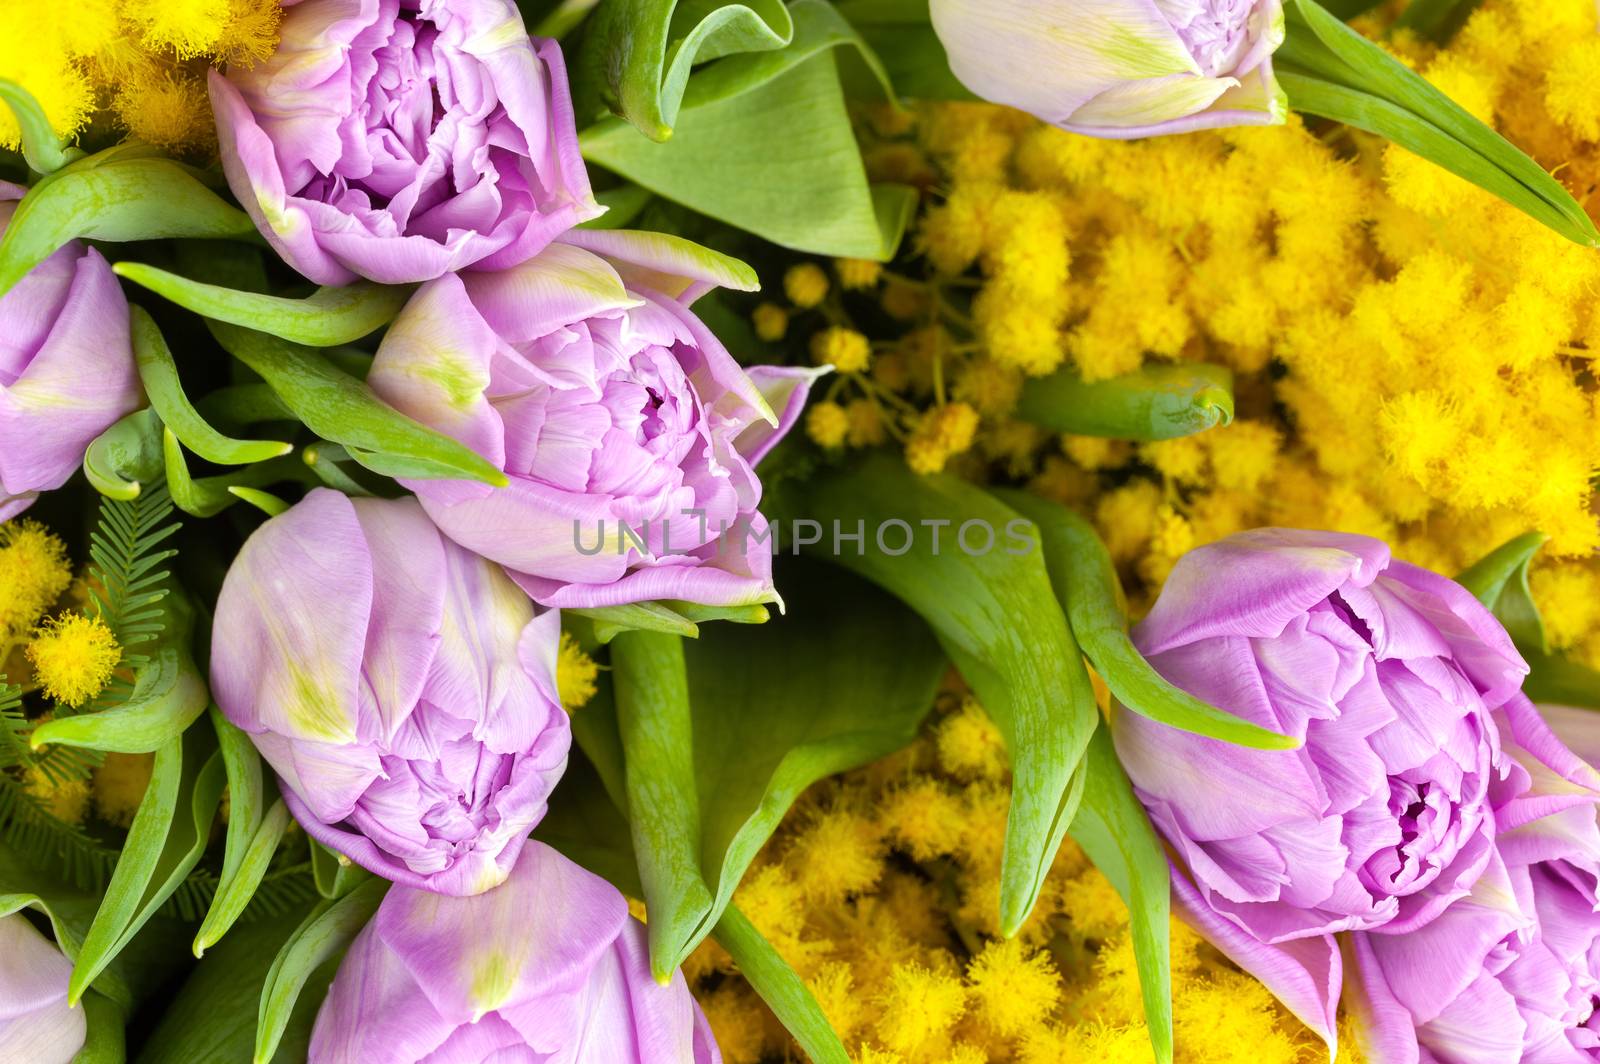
[(402, 687), (66, 366), (1120, 68)]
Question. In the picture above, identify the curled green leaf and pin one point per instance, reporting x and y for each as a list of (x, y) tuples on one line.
[(1159, 402), (326, 318), (342, 409), (1086, 582), (264, 501), (764, 142), (209, 496), (137, 198), (235, 890), (40, 145), (159, 375), (168, 696), (126, 456), (637, 54)]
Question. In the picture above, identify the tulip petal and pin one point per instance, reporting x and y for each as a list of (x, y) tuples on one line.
[(1071, 53), (1384, 1029), (36, 1023), (408, 593), (539, 933), (272, 671), (1304, 974), (661, 262), (1271, 575), (433, 365), (372, 982), (785, 389)]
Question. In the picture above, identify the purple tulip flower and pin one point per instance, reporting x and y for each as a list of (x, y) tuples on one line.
[(403, 689), (400, 141), (1511, 974), (628, 433), (1400, 686), (36, 1023), (1120, 68), (549, 968), (66, 366)]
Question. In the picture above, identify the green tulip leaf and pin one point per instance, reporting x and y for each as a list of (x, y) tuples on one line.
[(1330, 70), (126, 456), (159, 375), (342, 409), (209, 496), (169, 694), (1086, 583), (242, 868), (1437, 20), (715, 751), (780, 986), (213, 1015), (637, 54), (586, 826), (1158, 402), (1500, 581), (40, 146), (126, 198), (914, 58), (322, 938), (996, 614), (764, 143), (611, 621), (105, 1037), (326, 318), (264, 501), (1114, 831), (168, 835)]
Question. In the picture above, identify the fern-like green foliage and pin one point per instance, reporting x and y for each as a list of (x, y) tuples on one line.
[(126, 578), (28, 826), (13, 727), (127, 581)]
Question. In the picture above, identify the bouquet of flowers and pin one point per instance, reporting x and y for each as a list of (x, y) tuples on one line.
[(878, 531)]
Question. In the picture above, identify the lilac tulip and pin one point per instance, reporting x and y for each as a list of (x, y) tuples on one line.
[(547, 969), (403, 689), (400, 141), (1511, 975), (1400, 686), (36, 1023), (66, 366), (1120, 68), (629, 435)]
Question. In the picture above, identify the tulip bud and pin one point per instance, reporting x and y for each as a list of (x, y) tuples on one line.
[(66, 366), (1120, 68), (403, 689), (547, 967), (36, 1023)]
